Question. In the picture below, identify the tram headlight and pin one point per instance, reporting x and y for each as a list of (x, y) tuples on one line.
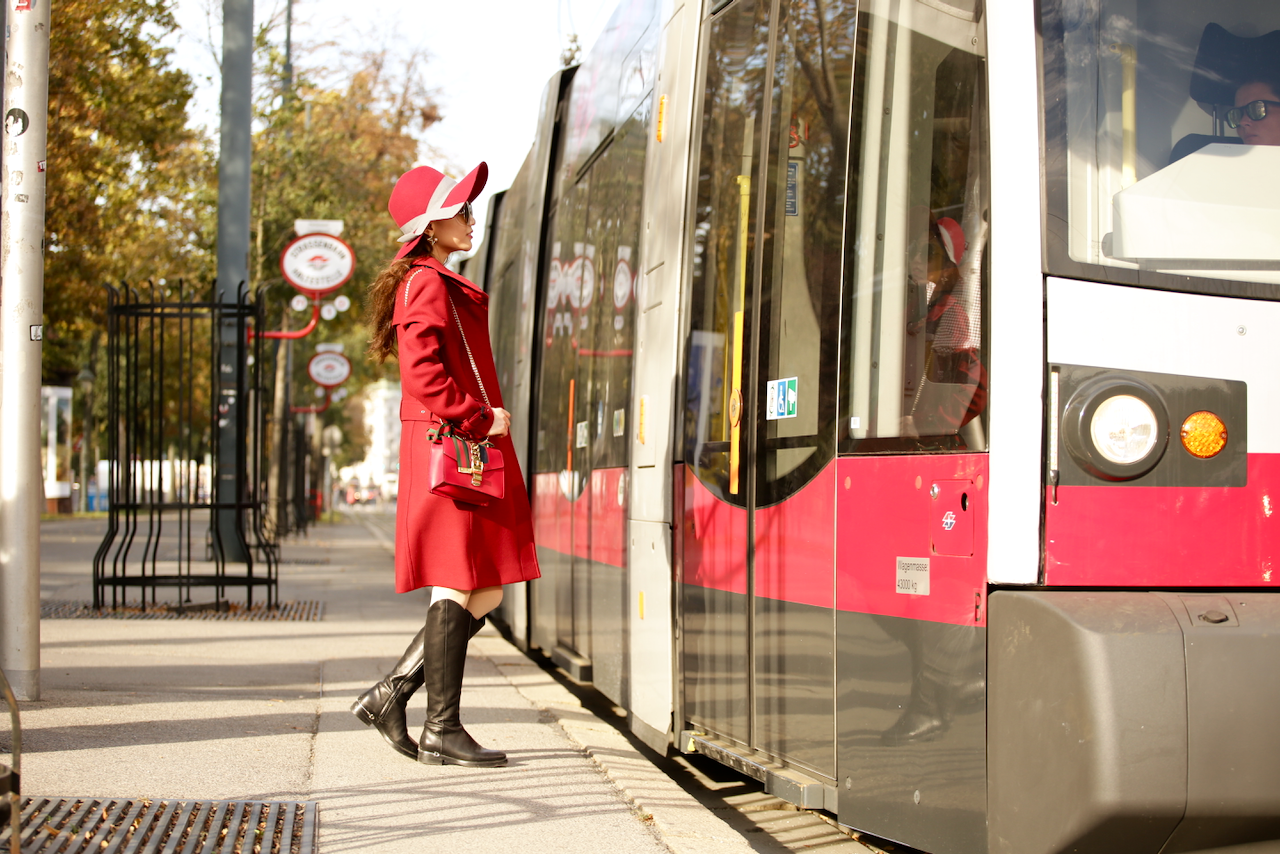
[(1123, 429), (1116, 427)]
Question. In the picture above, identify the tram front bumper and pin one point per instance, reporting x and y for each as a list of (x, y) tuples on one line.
[(1127, 721)]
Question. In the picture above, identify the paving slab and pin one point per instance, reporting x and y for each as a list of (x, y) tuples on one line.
[(260, 711)]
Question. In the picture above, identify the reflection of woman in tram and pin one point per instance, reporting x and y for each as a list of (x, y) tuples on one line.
[(1256, 115), (948, 393), (952, 364)]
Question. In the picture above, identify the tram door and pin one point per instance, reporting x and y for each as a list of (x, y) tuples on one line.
[(759, 408), (586, 386)]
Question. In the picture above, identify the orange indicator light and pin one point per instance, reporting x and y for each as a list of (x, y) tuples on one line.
[(662, 115), (1204, 434)]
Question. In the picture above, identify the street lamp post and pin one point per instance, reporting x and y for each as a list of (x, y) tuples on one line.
[(26, 104)]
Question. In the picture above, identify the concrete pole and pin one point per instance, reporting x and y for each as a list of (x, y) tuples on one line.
[(234, 157), (26, 108)]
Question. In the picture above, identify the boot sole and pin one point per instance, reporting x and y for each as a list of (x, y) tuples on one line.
[(439, 759)]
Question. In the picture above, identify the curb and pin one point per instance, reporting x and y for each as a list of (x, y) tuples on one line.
[(682, 823)]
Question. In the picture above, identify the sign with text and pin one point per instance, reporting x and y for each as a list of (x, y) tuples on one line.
[(317, 264), (912, 576), (328, 369)]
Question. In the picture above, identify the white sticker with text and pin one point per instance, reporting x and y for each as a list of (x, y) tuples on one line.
[(913, 576)]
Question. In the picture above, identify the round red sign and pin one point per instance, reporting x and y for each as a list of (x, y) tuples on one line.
[(317, 264), (329, 369)]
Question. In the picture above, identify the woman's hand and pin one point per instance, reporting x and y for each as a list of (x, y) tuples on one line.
[(501, 423)]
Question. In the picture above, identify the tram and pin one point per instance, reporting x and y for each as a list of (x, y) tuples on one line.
[(897, 389)]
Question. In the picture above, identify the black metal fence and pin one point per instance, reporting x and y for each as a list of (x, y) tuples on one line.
[(168, 523), (294, 499)]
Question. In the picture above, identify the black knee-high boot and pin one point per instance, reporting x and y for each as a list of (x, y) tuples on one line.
[(444, 741), (383, 705)]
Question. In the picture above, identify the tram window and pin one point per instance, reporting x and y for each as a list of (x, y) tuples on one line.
[(589, 319), (1141, 161), (803, 239), (917, 279), (767, 246), (606, 330), (724, 226), (560, 324)]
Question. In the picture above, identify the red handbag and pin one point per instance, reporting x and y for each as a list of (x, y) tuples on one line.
[(464, 470), (459, 468)]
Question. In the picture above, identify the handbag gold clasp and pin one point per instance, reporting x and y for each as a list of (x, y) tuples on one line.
[(476, 469)]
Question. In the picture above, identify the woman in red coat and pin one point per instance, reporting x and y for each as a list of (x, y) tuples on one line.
[(438, 324)]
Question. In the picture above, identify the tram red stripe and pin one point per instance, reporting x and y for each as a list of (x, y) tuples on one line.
[(604, 353), (885, 512), (796, 545), (608, 517), (552, 528), (1166, 536), (715, 539), (590, 526)]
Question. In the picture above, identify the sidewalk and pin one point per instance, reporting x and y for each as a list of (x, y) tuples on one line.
[(259, 711)]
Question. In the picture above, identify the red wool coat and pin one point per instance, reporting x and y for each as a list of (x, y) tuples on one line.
[(439, 541)]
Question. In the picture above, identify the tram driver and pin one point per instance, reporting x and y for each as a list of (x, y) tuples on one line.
[(1256, 115)]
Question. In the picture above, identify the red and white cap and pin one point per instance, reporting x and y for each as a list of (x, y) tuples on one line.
[(952, 236), (424, 195)]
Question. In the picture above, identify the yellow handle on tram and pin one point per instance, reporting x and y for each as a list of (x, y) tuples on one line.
[(735, 389)]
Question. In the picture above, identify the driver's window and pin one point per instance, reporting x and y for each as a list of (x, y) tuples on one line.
[(1160, 115)]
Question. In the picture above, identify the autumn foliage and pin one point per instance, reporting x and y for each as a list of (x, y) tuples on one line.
[(128, 183), (132, 186)]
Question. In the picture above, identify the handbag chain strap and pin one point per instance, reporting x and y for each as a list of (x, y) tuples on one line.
[(412, 276), (470, 357)]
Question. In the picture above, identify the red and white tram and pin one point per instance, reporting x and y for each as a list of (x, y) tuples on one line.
[(897, 385)]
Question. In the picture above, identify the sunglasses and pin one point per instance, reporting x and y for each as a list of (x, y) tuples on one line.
[(1256, 110), (469, 218)]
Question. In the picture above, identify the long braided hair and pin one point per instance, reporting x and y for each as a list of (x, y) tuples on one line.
[(382, 300)]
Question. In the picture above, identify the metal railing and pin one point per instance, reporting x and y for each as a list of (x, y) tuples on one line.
[(167, 521)]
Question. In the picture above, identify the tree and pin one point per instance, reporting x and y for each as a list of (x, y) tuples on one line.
[(332, 152), (129, 185)]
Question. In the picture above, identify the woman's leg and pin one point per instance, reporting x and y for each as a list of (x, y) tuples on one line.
[(478, 602), (440, 593), (449, 627), (383, 705), (484, 600)]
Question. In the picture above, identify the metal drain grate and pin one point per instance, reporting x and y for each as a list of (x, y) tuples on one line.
[(152, 826), (287, 611)]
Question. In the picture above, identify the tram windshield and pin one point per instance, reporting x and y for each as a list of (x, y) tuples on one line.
[(1163, 136)]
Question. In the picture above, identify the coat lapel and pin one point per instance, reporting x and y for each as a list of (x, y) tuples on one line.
[(468, 287)]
